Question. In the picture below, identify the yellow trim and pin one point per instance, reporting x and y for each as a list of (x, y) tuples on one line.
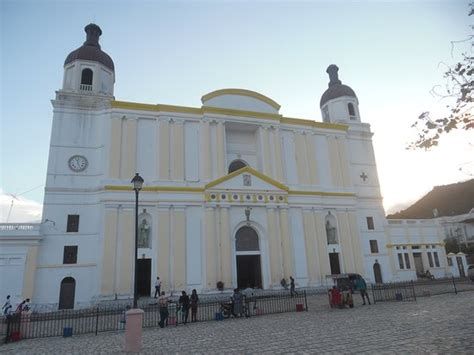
[(231, 112), (322, 193), (247, 169), (155, 188), (314, 124), (241, 92)]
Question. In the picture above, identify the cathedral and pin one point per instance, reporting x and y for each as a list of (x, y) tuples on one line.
[(235, 194)]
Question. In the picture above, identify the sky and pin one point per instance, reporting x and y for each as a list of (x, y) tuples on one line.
[(173, 52)]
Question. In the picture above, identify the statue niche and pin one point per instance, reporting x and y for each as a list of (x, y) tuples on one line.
[(331, 229), (143, 234)]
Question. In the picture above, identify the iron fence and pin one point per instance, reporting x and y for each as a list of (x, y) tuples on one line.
[(112, 317), (410, 290)]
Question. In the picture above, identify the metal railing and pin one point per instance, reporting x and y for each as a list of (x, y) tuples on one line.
[(410, 290), (85, 87), (112, 317)]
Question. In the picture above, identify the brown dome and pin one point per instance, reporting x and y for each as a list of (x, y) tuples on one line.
[(90, 50), (336, 88)]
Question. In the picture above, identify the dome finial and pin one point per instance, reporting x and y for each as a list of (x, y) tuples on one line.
[(93, 33), (333, 76)]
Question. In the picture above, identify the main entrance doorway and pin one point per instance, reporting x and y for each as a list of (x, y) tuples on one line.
[(144, 277), (247, 249), (334, 263)]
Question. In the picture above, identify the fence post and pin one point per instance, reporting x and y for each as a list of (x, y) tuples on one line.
[(454, 285), (413, 288), (305, 300), (97, 320)]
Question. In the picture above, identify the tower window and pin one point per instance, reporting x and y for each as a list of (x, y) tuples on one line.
[(352, 114), (70, 254), (72, 223), (236, 165), (374, 248), (86, 79), (370, 223)]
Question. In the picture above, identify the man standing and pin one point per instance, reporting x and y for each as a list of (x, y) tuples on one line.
[(7, 306), (157, 287), (362, 287), (292, 286), (163, 302)]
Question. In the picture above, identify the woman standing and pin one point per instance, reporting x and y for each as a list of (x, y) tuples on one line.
[(194, 305)]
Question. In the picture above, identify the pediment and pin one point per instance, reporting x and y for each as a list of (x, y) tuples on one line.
[(240, 99), (246, 179)]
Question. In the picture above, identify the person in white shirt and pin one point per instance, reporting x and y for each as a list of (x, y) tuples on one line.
[(157, 287)]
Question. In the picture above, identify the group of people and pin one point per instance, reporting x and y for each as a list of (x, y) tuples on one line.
[(7, 307), (339, 299), (292, 286), (184, 305)]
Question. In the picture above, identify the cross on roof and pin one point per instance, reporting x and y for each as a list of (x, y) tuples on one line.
[(364, 176)]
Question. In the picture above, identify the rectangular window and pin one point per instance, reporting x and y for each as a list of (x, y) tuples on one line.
[(450, 262), (70, 254), (374, 248), (430, 259), (436, 258), (370, 223), (72, 223), (407, 260), (400, 261)]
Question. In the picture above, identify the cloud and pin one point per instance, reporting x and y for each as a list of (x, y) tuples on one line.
[(23, 210)]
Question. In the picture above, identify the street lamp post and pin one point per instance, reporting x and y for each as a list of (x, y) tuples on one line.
[(137, 182)]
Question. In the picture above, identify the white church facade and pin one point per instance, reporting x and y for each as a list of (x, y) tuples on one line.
[(234, 192)]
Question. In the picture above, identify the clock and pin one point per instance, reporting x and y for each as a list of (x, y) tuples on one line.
[(78, 163)]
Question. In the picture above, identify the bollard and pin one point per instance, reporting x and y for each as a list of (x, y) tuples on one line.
[(133, 330)]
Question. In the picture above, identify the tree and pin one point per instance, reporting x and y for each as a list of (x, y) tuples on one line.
[(460, 87)]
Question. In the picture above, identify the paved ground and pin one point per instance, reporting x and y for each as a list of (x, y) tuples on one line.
[(438, 324)]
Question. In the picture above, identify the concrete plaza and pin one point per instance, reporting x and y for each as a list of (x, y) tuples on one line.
[(437, 324)]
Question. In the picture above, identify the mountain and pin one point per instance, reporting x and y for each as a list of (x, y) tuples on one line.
[(448, 200)]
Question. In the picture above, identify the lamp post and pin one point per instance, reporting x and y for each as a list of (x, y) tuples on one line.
[(137, 182)]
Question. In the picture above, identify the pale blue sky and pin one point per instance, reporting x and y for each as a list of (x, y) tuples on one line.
[(173, 52)]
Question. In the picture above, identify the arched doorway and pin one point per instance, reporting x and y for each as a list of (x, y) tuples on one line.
[(67, 293), (378, 273), (247, 250)]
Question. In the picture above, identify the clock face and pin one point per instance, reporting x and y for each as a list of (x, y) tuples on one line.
[(77, 163)]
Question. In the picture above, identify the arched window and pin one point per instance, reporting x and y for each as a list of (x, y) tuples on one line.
[(246, 239), (351, 109), (86, 79), (236, 165), (331, 231)]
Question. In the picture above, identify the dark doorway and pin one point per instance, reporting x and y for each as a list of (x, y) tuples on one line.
[(249, 272), (378, 273), (334, 263), (67, 293), (460, 267), (418, 264), (144, 277)]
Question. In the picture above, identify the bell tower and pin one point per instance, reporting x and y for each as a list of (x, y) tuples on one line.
[(89, 70), (339, 102)]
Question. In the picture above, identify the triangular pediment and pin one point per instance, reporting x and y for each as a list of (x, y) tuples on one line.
[(246, 179)]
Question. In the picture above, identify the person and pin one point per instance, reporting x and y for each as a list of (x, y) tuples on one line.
[(284, 284), (292, 286), (7, 306), (428, 275), (194, 305), (163, 303), (157, 287), (361, 286), (335, 297), (237, 303), (184, 304), (21, 307), (27, 305)]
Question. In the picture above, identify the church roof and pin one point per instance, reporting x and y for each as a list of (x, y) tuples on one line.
[(336, 88), (90, 50)]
